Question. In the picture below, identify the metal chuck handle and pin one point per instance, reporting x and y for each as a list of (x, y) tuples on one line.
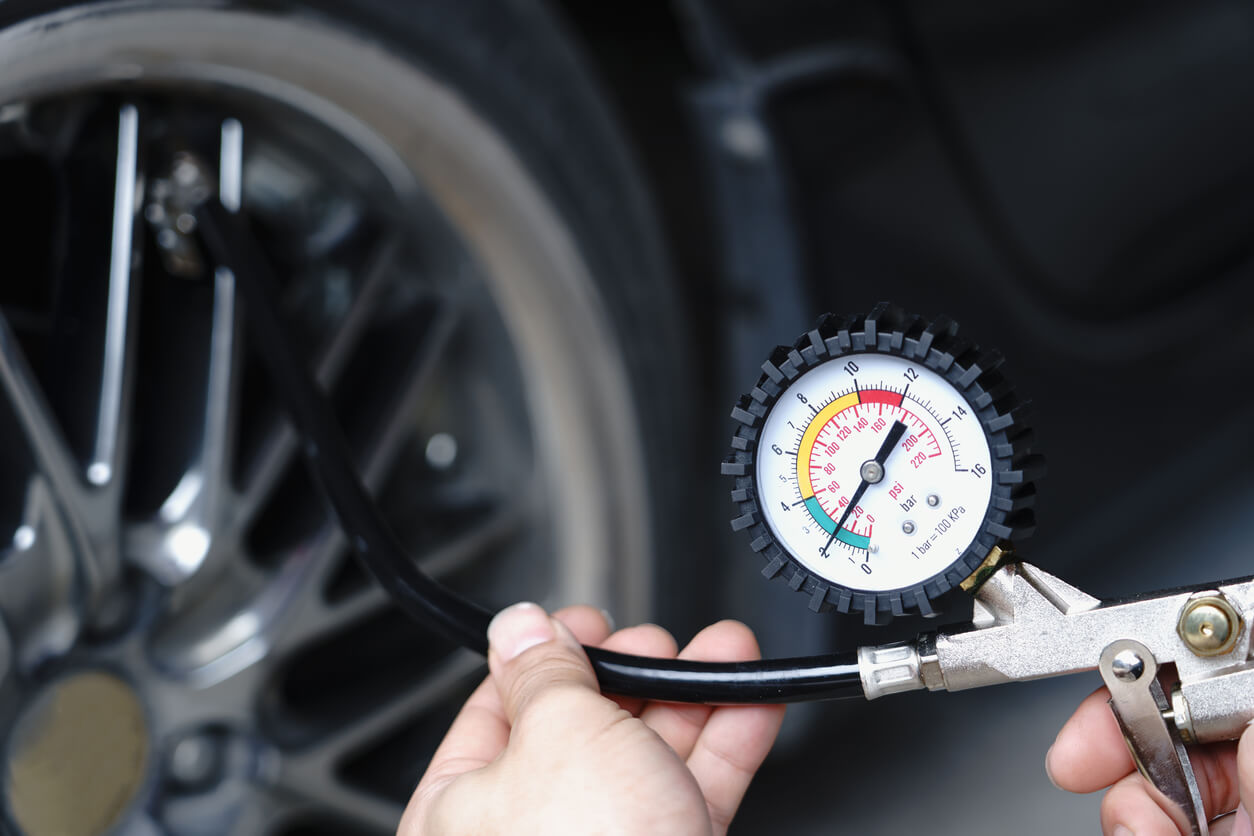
[(1139, 704)]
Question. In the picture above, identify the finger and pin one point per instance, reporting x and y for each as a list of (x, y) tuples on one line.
[(680, 725), (481, 731), (1128, 809), (641, 640), (733, 740), (1089, 753), (1236, 824), (1214, 768), (588, 624), (534, 657), (1241, 824), (729, 753), (1245, 767)]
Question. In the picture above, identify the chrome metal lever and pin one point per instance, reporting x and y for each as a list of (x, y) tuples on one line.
[(1141, 709), (1027, 624)]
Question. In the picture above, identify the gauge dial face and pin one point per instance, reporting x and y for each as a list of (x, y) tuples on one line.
[(873, 473)]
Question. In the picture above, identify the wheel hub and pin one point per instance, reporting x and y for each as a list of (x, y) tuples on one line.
[(78, 757)]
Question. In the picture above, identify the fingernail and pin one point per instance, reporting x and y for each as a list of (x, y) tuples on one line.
[(1048, 769), (1121, 830), (517, 628), (609, 619)]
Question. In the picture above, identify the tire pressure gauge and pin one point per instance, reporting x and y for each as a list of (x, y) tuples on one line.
[(879, 461)]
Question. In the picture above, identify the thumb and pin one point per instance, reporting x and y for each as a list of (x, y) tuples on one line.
[(1240, 822), (531, 654)]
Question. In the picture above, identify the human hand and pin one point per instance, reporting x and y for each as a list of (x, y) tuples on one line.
[(538, 749), (1090, 755)]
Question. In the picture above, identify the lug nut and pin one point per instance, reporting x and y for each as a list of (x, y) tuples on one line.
[(441, 451), (744, 137), (1208, 624), (194, 760)]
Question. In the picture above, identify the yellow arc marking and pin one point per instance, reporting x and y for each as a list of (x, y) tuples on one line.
[(812, 432)]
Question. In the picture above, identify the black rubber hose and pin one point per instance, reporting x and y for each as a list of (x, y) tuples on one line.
[(232, 244)]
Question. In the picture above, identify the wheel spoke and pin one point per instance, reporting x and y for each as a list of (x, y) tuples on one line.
[(324, 794), (111, 421), (175, 545), (314, 570), (6, 655), (52, 454), (389, 438), (236, 805), (294, 602), (443, 326), (371, 726), (278, 450), (191, 520), (505, 521), (331, 618), (217, 448), (58, 481), (231, 165), (314, 616), (37, 595)]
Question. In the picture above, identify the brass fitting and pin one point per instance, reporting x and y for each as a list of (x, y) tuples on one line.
[(1209, 625)]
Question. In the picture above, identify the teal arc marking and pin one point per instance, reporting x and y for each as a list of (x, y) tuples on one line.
[(845, 536)]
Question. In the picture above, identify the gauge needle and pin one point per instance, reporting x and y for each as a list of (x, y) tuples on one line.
[(886, 449)]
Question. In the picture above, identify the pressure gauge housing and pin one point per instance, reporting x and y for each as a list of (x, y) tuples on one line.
[(878, 462)]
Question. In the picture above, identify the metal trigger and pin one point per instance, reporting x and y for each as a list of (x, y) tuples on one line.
[(1143, 713)]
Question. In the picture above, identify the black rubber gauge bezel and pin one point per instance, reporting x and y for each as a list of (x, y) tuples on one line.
[(977, 377)]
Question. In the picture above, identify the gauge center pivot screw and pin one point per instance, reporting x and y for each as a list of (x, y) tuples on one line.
[(872, 472)]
